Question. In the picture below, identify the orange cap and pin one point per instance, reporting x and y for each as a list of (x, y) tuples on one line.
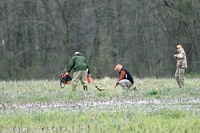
[(179, 46), (118, 66)]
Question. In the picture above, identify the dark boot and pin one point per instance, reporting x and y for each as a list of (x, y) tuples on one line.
[(85, 88)]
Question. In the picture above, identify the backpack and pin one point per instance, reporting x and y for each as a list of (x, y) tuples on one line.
[(65, 79)]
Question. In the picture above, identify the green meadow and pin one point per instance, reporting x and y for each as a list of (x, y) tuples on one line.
[(157, 106)]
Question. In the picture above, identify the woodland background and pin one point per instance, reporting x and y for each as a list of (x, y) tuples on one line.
[(38, 37)]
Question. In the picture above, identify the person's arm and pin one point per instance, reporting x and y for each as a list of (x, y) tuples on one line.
[(122, 74), (71, 65), (181, 55), (88, 67)]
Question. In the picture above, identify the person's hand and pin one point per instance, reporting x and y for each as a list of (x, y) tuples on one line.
[(114, 85), (175, 56)]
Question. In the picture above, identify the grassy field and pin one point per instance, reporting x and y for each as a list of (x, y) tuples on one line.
[(158, 106)]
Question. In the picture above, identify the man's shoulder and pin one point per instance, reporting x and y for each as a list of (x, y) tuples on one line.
[(79, 58), (183, 51), (124, 71)]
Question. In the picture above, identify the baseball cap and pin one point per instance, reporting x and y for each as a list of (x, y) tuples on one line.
[(76, 52), (179, 46), (118, 66)]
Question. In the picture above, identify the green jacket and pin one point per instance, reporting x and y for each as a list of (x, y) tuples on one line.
[(78, 62)]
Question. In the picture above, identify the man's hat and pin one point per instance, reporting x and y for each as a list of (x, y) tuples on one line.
[(76, 53), (179, 46), (118, 66)]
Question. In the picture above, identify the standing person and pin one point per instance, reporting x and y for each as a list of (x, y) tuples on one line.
[(125, 79), (181, 65), (81, 70)]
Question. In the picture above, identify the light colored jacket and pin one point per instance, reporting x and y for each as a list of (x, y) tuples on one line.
[(181, 59)]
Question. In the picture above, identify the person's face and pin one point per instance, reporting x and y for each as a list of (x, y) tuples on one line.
[(178, 49), (119, 69)]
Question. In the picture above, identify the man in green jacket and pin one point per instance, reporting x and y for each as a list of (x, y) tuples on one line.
[(81, 70)]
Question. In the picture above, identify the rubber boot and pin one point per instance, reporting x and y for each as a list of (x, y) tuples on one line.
[(85, 88)]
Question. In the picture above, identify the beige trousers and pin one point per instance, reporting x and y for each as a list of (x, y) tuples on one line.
[(179, 76), (125, 84), (79, 75)]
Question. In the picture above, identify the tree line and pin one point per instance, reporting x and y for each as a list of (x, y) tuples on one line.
[(38, 37)]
